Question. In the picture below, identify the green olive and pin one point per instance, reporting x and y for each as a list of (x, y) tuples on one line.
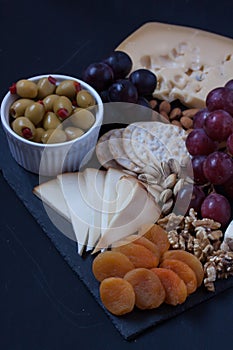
[(54, 136), (23, 127), (85, 99), (73, 133), (26, 88), (35, 112), (68, 88), (38, 135), (82, 118), (62, 107), (51, 121), (48, 101), (46, 87), (17, 109)]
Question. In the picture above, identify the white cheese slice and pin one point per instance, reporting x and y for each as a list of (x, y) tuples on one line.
[(228, 238), (73, 189), (50, 193), (188, 62), (94, 180), (109, 197), (140, 211)]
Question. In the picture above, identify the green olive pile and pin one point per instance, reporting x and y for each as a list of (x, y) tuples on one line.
[(42, 107)]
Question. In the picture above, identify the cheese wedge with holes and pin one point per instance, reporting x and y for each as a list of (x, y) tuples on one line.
[(74, 190), (188, 62), (140, 211), (50, 193)]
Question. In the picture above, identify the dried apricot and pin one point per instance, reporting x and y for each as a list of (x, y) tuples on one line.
[(111, 264), (148, 244), (188, 258), (117, 295), (158, 236), (139, 255), (175, 288), (149, 291), (183, 271)]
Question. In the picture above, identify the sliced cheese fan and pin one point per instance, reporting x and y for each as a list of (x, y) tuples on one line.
[(103, 206)]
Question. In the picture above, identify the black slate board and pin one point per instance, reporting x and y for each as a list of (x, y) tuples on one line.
[(129, 326)]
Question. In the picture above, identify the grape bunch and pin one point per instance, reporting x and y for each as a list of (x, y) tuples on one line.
[(112, 80), (211, 146)]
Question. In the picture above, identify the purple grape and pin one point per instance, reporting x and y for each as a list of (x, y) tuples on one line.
[(199, 118), (121, 64), (218, 125), (144, 80), (189, 197), (229, 84), (220, 98), (142, 101), (218, 167), (228, 188), (123, 91), (215, 206), (198, 173), (198, 143), (99, 75), (230, 144)]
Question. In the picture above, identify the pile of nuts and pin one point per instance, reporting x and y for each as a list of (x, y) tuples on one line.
[(175, 115), (202, 238), (167, 181), (39, 112)]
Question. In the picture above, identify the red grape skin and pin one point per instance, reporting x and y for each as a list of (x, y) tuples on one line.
[(228, 188), (230, 144), (218, 167), (218, 125), (199, 118), (198, 143), (198, 173), (220, 98), (188, 197), (215, 206)]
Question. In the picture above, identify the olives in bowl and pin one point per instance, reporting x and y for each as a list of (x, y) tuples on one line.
[(54, 118)]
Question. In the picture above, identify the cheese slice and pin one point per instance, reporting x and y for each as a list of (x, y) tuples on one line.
[(73, 188), (109, 197), (188, 62), (50, 193), (140, 211), (228, 238), (94, 188)]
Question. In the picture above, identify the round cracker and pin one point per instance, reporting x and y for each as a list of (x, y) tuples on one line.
[(148, 147), (128, 148), (171, 137), (118, 153), (103, 153)]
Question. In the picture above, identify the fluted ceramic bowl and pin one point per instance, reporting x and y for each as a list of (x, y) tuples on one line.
[(52, 159)]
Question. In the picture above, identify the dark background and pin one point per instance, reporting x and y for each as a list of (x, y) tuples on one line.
[(43, 304)]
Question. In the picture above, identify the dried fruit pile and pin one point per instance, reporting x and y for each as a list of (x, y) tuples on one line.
[(145, 273)]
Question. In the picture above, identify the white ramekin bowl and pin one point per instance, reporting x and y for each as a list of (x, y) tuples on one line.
[(52, 159)]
